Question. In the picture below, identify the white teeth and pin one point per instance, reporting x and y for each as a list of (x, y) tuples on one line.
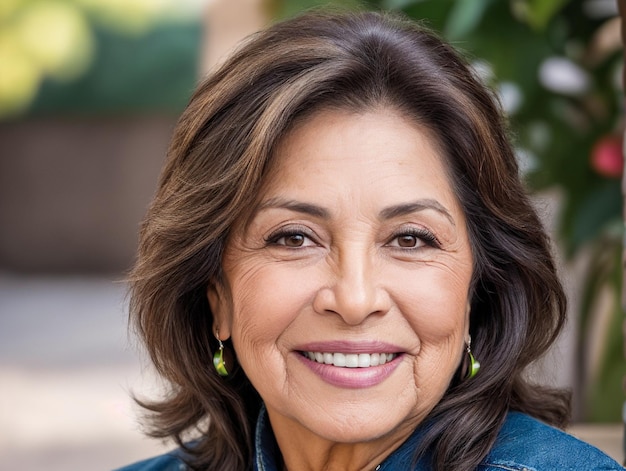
[(350, 360)]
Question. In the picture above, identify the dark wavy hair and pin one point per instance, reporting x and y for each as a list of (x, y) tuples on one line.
[(220, 152)]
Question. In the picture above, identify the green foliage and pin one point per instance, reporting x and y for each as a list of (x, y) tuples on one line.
[(464, 17), (538, 13), (152, 72), (96, 55), (287, 8)]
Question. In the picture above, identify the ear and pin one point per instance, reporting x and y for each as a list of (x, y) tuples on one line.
[(220, 303)]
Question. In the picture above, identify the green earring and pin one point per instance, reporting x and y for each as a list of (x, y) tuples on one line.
[(218, 358), (474, 365)]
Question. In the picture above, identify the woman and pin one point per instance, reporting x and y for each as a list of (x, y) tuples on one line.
[(339, 236)]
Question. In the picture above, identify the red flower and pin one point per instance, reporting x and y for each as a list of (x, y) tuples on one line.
[(607, 158)]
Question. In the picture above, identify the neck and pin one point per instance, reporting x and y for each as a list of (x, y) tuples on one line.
[(302, 450)]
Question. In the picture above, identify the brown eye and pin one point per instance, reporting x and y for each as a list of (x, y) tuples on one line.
[(407, 241), (294, 240), (413, 238), (291, 238)]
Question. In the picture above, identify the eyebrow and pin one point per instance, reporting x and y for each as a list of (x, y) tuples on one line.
[(297, 206), (387, 213), (415, 206)]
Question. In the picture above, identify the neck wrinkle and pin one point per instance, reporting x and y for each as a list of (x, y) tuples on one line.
[(327, 457)]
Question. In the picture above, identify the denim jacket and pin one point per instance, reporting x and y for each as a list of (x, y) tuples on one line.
[(523, 444)]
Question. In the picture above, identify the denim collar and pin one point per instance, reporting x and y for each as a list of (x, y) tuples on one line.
[(265, 447), (267, 453)]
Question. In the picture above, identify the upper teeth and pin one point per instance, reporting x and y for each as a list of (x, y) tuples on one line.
[(351, 360)]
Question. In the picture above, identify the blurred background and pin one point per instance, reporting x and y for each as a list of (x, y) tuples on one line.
[(89, 93)]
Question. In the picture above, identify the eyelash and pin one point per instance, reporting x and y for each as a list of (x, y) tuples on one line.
[(422, 234), (281, 233)]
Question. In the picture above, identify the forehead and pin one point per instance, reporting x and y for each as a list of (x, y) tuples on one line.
[(360, 149)]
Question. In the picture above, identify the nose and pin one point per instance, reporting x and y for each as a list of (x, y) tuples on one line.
[(354, 290)]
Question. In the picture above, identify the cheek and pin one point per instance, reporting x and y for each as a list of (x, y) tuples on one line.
[(435, 307), (266, 303), (267, 300), (434, 301)]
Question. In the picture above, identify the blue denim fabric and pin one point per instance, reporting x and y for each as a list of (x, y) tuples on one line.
[(168, 462), (523, 444)]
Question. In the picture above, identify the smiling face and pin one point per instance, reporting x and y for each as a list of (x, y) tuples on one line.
[(346, 292)]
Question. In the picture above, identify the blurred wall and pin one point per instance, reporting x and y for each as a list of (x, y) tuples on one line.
[(75, 186), (72, 191)]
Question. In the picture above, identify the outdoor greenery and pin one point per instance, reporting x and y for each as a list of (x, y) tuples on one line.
[(154, 72), (97, 56)]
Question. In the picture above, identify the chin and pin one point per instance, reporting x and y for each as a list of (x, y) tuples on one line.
[(361, 427)]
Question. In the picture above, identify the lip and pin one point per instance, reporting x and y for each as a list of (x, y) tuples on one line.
[(351, 378)]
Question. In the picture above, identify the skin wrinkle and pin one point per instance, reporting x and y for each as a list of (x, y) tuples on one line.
[(350, 280), (399, 213)]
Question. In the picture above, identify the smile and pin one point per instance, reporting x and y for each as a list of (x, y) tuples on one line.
[(350, 360)]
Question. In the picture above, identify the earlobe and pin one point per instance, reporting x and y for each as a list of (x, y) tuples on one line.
[(218, 302)]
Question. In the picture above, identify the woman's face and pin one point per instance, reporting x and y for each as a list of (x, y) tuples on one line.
[(346, 292)]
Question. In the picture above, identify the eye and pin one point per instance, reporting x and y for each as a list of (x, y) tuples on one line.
[(413, 239), (290, 238), (407, 241)]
